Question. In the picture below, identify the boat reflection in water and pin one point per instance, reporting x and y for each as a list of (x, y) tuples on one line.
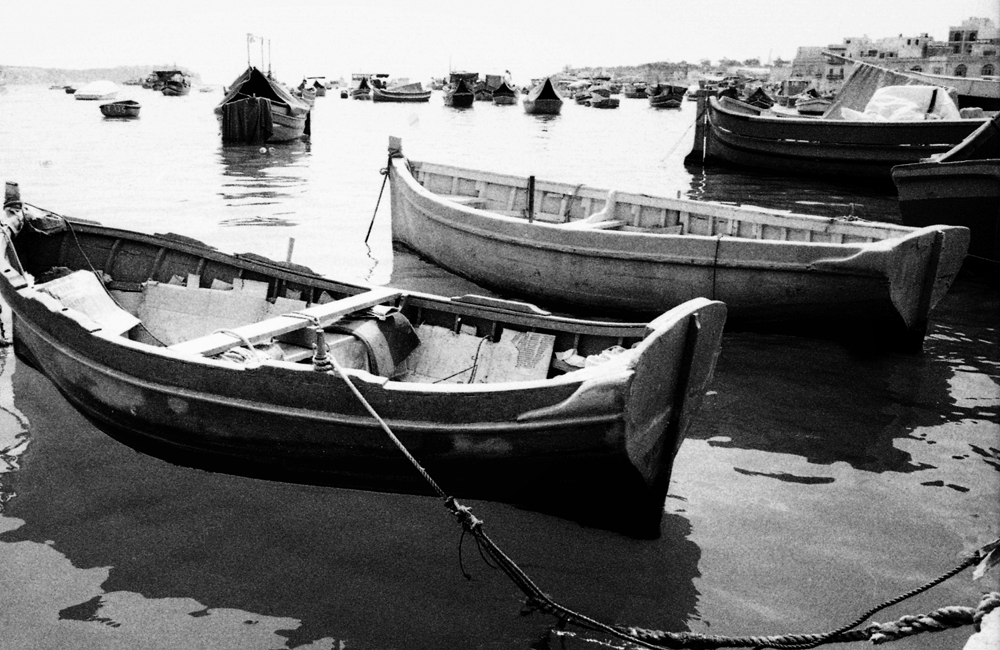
[(262, 175), (810, 196)]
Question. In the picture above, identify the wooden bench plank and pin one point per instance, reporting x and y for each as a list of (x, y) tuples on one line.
[(265, 330)]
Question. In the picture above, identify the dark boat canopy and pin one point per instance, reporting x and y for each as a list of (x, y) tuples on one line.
[(253, 83), (504, 89), (544, 90), (470, 77)]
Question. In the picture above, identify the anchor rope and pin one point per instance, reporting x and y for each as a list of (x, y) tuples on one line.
[(538, 600), (385, 177)]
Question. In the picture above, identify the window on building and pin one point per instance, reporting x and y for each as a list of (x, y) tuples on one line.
[(987, 70), (972, 36), (960, 70), (916, 68), (956, 36)]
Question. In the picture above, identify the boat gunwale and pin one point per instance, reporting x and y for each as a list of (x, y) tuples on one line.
[(878, 231), (494, 310)]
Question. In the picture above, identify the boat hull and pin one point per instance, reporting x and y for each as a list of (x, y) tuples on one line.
[(379, 95), (459, 99), (770, 284), (542, 106), (596, 446), (819, 147), (962, 193), (120, 110)]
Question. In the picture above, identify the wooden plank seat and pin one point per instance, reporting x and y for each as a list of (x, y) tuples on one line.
[(325, 314)]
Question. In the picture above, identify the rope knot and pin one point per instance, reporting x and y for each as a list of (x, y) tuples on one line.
[(464, 515)]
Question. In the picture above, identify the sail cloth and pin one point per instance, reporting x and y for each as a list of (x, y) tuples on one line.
[(865, 79), (253, 83), (247, 120)]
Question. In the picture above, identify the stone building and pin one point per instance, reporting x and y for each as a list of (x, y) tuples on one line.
[(972, 50)]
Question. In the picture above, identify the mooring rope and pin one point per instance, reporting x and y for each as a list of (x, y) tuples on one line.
[(385, 177), (538, 600)]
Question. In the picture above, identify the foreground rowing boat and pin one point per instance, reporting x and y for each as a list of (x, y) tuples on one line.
[(210, 360), (576, 246)]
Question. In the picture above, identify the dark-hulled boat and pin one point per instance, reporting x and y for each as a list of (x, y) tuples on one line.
[(840, 144), (543, 99), (257, 109), (223, 362), (962, 188), (665, 95), (459, 93), (125, 108), (620, 253), (505, 94)]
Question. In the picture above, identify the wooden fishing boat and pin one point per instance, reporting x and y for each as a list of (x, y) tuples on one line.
[(666, 95), (211, 360), (319, 84), (600, 101), (811, 105), (363, 89), (123, 108), (505, 94), (617, 253), (759, 98), (962, 188), (413, 92), (543, 99), (257, 109), (732, 133), (458, 93), (635, 90)]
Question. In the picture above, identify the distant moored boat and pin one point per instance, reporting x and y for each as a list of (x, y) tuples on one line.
[(123, 108)]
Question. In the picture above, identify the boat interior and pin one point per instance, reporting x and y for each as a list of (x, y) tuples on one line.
[(582, 207), (196, 303)]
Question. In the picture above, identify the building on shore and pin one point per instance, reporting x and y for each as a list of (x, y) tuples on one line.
[(972, 50)]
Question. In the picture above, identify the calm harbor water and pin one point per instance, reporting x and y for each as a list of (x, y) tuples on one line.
[(818, 479)]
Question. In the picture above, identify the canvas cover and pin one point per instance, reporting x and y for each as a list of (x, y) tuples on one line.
[(98, 88), (864, 81), (504, 89), (253, 82), (544, 90), (906, 104)]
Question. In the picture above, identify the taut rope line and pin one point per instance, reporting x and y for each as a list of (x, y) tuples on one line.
[(655, 639)]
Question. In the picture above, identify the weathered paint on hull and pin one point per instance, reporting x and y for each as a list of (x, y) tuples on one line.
[(886, 288), (595, 446)]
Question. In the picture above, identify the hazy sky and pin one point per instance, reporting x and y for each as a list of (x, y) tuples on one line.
[(421, 38)]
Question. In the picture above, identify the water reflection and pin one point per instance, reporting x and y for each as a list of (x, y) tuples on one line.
[(870, 409), (154, 545), (13, 425), (808, 196), (262, 175)]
